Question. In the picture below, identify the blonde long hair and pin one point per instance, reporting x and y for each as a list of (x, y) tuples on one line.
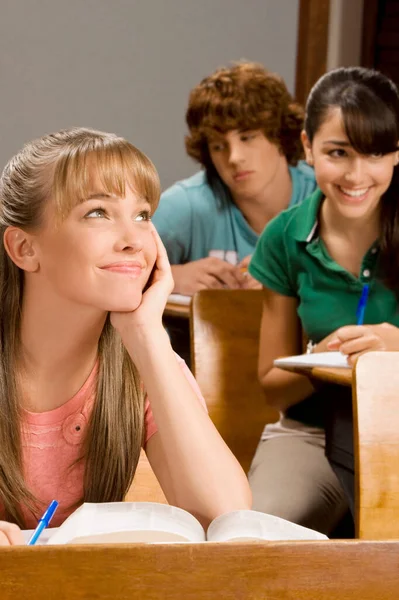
[(60, 167)]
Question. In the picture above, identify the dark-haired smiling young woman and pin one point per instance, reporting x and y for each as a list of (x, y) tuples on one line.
[(314, 261)]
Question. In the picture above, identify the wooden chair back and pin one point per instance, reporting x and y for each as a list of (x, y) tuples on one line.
[(145, 486), (376, 445), (225, 327), (326, 570)]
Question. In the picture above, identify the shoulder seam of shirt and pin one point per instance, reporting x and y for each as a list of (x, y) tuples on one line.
[(187, 183)]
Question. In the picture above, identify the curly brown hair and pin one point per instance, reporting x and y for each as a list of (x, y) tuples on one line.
[(244, 97)]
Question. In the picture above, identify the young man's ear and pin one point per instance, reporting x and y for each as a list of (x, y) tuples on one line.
[(307, 146), (20, 248)]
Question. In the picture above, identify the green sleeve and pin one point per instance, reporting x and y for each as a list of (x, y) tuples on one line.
[(270, 263), (173, 221)]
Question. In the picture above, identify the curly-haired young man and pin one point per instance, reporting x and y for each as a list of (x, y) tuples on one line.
[(244, 130)]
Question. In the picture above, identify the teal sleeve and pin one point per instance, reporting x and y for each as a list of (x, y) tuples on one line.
[(173, 221), (270, 263)]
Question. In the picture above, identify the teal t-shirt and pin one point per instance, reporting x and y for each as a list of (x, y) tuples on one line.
[(194, 221)]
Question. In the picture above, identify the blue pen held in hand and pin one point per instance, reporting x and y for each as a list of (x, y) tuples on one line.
[(44, 522), (361, 307)]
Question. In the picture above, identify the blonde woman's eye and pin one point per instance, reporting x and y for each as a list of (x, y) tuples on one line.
[(145, 215), (95, 213)]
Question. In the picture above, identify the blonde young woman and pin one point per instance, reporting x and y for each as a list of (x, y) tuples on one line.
[(87, 372)]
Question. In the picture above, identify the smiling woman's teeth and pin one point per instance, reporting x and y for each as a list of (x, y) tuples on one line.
[(354, 193)]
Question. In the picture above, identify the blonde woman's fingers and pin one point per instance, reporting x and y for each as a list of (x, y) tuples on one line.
[(10, 534)]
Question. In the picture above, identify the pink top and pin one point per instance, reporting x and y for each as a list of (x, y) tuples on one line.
[(52, 441)]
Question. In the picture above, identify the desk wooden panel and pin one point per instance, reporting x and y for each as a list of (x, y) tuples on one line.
[(225, 326), (173, 309), (325, 570), (376, 441)]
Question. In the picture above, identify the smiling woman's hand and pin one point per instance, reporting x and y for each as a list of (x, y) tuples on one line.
[(149, 313), (355, 340)]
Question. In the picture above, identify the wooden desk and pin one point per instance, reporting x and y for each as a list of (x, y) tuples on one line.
[(224, 352), (173, 309), (326, 570), (330, 375)]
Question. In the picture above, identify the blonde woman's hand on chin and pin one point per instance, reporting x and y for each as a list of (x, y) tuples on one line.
[(195, 468), (10, 534), (147, 316)]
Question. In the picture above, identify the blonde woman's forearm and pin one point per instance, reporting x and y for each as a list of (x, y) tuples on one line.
[(194, 465)]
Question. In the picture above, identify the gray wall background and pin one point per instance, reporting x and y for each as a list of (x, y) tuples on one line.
[(128, 65)]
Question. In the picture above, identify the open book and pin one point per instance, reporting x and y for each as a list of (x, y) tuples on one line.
[(149, 522), (316, 359)]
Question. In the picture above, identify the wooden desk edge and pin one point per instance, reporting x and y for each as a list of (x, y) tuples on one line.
[(323, 569), (330, 375), (173, 309), (341, 376), (254, 547)]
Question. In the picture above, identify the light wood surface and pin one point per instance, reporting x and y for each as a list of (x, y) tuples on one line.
[(376, 431), (174, 309), (145, 486), (324, 570), (224, 349)]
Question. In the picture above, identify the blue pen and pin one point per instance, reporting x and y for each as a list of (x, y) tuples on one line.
[(44, 522), (361, 307)]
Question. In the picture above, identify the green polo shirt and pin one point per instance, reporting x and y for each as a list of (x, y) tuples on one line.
[(291, 259)]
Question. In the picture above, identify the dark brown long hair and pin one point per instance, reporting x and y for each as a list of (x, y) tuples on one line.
[(369, 104)]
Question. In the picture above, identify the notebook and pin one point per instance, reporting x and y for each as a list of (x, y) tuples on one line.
[(316, 359), (150, 522)]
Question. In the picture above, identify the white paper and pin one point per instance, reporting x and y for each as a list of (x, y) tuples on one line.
[(254, 525), (180, 299), (148, 522), (44, 537), (316, 359)]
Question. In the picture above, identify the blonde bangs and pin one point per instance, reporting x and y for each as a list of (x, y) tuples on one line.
[(105, 166)]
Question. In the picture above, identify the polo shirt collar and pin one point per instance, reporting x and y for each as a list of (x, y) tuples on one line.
[(307, 217)]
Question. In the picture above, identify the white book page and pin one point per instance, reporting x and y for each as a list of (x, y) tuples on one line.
[(44, 537), (115, 522), (243, 525), (180, 299), (316, 359)]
